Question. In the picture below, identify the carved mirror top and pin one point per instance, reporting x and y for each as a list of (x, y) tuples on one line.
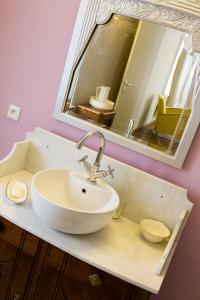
[(192, 7), (180, 15)]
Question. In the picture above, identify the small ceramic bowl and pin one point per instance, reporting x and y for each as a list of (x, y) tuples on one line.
[(154, 231), (102, 105)]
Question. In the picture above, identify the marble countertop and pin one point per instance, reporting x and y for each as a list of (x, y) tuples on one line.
[(118, 249)]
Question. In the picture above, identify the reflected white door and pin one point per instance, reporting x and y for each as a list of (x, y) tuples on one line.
[(150, 62)]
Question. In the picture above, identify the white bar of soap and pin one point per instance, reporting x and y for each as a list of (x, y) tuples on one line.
[(16, 191)]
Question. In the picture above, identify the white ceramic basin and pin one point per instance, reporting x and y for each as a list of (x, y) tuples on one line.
[(66, 201)]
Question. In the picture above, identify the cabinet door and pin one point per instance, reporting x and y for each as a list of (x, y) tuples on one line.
[(32, 269), (136, 293), (17, 256), (24, 265), (76, 284), (10, 239), (47, 273), (8, 255)]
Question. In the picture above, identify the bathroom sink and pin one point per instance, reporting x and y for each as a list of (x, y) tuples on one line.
[(66, 201)]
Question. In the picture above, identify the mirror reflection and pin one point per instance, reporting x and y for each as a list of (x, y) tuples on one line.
[(136, 79)]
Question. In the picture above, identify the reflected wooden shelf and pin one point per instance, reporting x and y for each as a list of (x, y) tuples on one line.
[(100, 116)]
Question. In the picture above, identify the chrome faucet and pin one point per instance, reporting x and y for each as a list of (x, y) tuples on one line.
[(94, 171)]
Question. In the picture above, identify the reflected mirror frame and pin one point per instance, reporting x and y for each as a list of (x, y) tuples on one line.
[(160, 12)]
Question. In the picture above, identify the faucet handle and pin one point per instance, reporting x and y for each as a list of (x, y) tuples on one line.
[(83, 158), (111, 171)]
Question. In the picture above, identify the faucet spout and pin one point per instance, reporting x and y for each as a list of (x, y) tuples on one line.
[(94, 170), (101, 146)]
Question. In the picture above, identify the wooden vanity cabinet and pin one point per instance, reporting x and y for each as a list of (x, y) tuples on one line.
[(32, 269)]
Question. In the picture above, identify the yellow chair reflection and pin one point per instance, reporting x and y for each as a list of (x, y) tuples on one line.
[(167, 119)]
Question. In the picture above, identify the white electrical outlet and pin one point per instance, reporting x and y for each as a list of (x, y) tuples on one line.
[(13, 112)]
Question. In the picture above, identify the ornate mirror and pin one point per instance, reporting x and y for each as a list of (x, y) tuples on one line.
[(132, 72)]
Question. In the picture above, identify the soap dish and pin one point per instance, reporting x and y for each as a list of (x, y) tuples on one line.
[(16, 191), (154, 231)]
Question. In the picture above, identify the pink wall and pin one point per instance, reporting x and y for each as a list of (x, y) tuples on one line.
[(35, 37)]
